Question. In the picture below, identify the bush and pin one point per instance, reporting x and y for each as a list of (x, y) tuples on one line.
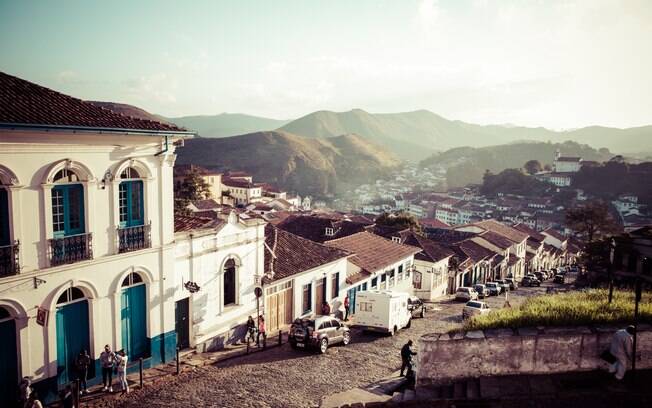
[(576, 308)]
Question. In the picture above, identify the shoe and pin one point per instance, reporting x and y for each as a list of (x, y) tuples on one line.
[(104, 389), (110, 389)]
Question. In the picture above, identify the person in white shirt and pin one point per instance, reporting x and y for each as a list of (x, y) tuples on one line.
[(121, 361), (621, 349)]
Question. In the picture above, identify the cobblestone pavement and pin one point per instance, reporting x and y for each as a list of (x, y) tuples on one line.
[(282, 377)]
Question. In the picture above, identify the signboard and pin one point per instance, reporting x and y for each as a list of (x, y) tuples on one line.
[(192, 287), (42, 316), (258, 291)]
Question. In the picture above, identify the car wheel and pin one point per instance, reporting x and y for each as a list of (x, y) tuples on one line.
[(323, 346), (346, 338)]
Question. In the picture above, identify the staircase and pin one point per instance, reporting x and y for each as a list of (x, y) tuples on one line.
[(462, 393)]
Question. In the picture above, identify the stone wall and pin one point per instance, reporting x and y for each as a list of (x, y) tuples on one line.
[(444, 358)]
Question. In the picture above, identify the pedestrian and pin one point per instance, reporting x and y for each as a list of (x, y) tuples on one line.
[(107, 361), (346, 308), (67, 400), (251, 327), (82, 363), (621, 349), (33, 401), (261, 330), (406, 357), (25, 390), (325, 309), (121, 361)]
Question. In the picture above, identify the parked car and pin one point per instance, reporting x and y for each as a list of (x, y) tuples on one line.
[(482, 290), (319, 333), (530, 281), (503, 285), (559, 278), (493, 288), (512, 283), (466, 294), (416, 306), (540, 276), (475, 308)]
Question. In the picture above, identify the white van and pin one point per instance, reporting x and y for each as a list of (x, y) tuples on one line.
[(382, 310)]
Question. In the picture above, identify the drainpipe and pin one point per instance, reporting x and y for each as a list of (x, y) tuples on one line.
[(165, 150)]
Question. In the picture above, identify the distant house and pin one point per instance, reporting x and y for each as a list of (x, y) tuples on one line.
[(566, 164), (242, 189), (210, 177)]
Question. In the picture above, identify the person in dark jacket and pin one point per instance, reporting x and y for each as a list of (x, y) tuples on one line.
[(83, 362), (251, 327), (406, 357)]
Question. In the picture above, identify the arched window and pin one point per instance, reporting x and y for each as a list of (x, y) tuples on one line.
[(70, 295), (67, 204), (229, 282), (131, 280), (132, 212)]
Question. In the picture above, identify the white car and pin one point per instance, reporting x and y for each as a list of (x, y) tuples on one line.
[(475, 308), (466, 294)]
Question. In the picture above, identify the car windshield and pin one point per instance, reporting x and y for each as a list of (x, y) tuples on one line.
[(474, 304), (305, 323), (491, 285)]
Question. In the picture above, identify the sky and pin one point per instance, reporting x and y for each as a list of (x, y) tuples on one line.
[(558, 64)]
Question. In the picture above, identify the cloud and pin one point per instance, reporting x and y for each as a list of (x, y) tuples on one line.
[(156, 87)]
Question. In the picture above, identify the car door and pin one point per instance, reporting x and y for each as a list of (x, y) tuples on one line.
[(326, 330), (336, 332)]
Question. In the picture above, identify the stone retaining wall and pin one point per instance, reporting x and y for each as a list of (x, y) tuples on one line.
[(444, 358)]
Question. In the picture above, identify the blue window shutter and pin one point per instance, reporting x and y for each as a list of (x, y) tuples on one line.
[(70, 200)]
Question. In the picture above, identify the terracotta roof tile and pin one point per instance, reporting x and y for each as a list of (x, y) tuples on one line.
[(184, 223), (314, 227), (25, 103), (496, 239), (431, 250), (508, 232), (208, 204), (294, 255), (372, 252), (555, 234), (534, 234)]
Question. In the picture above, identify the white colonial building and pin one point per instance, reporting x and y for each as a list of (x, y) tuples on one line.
[(87, 250)]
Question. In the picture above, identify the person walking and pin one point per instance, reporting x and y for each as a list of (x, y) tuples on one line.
[(67, 399), (261, 330), (82, 363), (251, 327), (25, 390), (107, 361), (346, 308), (621, 348), (121, 361), (406, 357), (33, 401)]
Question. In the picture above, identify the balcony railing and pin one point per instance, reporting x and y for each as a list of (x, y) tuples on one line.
[(9, 259), (134, 238), (70, 249)]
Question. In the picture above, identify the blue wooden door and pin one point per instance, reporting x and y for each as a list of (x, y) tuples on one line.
[(352, 301), (8, 359), (72, 337), (4, 217), (134, 321)]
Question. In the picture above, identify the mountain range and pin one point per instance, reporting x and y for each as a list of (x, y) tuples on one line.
[(226, 124), (318, 167)]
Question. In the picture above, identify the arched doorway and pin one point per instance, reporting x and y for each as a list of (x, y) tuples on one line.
[(72, 332), (133, 316), (8, 355), (229, 283)]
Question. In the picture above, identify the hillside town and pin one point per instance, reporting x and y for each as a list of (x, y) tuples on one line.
[(107, 245)]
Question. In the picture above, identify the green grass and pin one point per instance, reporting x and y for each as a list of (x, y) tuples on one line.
[(567, 309)]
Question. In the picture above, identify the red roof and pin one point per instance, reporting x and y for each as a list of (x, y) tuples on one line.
[(502, 229), (184, 223), (372, 252), (433, 223), (25, 103), (293, 255), (240, 183), (555, 234)]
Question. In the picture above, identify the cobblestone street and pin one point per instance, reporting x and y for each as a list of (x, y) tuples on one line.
[(282, 377)]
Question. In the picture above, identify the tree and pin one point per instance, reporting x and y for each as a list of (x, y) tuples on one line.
[(533, 167), (192, 188), (591, 221), (400, 220)]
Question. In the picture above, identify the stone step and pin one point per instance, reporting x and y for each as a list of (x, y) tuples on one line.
[(459, 390), (472, 389), (409, 395)]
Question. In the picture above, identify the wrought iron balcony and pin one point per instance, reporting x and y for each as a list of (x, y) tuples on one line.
[(134, 238), (9, 259), (70, 249)]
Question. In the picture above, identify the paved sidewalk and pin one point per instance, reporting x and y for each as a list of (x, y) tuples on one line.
[(159, 375)]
